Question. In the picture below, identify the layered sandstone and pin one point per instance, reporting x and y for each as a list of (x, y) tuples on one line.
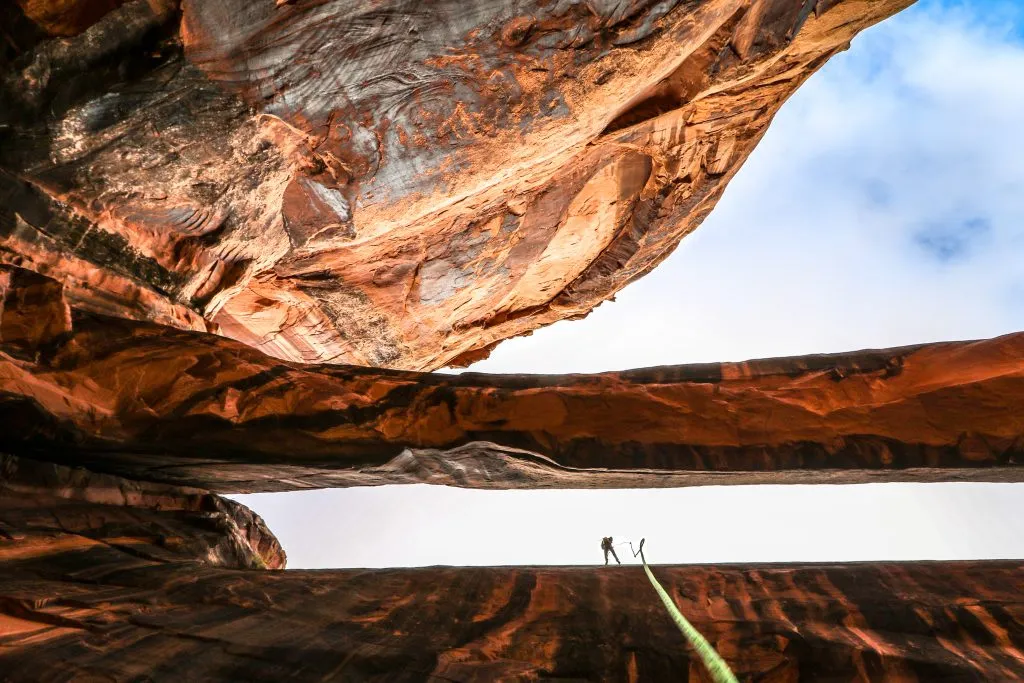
[(372, 184), (47, 510), (103, 579), (151, 402), (366, 183)]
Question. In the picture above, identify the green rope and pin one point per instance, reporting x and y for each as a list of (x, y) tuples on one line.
[(713, 662)]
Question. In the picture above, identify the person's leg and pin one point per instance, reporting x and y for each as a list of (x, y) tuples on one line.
[(614, 554), (606, 556)]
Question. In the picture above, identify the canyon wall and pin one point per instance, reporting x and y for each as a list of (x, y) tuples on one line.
[(108, 580), (370, 184), (156, 403), (197, 198)]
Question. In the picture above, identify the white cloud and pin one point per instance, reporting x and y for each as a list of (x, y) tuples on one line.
[(885, 206)]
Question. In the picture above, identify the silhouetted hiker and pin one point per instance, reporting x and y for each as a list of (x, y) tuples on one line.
[(606, 546)]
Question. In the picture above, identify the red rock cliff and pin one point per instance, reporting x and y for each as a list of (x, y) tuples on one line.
[(152, 402), (370, 184), (93, 590), (380, 185)]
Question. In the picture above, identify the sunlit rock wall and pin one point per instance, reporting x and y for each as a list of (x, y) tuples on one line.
[(150, 402), (372, 184)]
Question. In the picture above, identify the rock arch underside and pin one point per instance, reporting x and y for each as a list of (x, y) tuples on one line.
[(236, 237)]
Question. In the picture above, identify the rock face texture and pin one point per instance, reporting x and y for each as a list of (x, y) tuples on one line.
[(47, 509), (373, 184), (148, 402), (32, 310), (165, 590), (403, 185)]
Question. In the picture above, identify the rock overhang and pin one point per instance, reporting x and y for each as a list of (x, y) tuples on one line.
[(385, 187)]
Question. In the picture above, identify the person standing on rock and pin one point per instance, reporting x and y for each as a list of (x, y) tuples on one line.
[(606, 546)]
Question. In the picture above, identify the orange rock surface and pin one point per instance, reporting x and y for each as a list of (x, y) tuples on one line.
[(369, 184), (104, 579), (387, 187), (147, 401), (32, 310)]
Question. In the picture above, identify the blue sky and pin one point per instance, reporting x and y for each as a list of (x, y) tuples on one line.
[(885, 206)]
